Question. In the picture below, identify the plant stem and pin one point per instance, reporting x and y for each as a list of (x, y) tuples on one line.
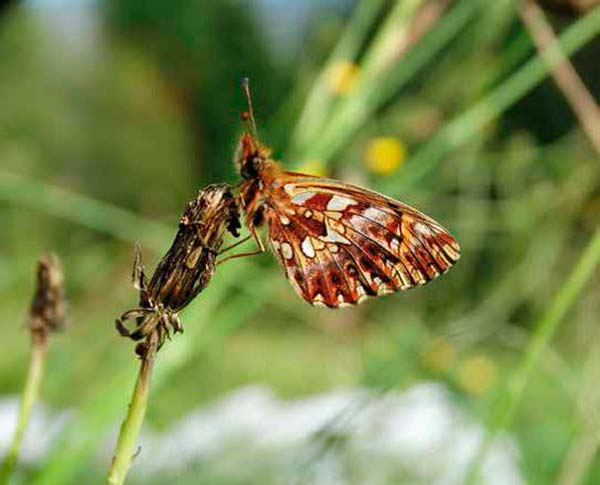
[(511, 396), (565, 76), (39, 347), (375, 91), (318, 103), (81, 209), (132, 424), (468, 124)]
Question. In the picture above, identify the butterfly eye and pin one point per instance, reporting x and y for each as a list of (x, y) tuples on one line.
[(245, 171)]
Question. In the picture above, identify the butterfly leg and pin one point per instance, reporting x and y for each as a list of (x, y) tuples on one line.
[(259, 243), (234, 245)]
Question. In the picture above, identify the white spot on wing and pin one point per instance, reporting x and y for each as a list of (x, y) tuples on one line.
[(302, 197), (384, 289), (333, 236), (307, 248), (284, 220), (289, 188), (449, 250), (286, 250), (360, 224), (422, 229), (342, 303), (405, 281), (339, 203), (318, 300), (375, 214)]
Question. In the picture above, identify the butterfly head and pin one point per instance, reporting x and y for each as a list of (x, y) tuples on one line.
[(250, 157)]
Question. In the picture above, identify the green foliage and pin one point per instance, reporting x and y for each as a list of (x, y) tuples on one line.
[(102, 145)]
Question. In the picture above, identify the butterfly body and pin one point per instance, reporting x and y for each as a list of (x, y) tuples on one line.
[(338, 243)]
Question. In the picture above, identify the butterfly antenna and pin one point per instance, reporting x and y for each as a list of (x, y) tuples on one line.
[(249, 115)]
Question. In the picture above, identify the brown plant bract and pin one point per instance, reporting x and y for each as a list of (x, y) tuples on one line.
[(185, 270), (48, 309)]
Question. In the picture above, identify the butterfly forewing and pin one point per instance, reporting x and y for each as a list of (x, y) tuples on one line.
[(340, 243)]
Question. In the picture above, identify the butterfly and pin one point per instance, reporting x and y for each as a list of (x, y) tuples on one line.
[(338, 243)]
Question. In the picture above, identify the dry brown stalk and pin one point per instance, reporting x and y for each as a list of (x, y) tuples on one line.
[(181, 275), (47, 314), (564, 74)]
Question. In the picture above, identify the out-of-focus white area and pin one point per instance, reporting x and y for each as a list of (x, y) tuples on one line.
[(419, 434), (44, 427)]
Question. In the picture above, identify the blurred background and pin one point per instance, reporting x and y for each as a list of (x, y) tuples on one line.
[(113, 114)]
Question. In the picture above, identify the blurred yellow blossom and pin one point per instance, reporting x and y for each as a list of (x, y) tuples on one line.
[(477, 374), (439, 355), (313, 166), (384, 155), (342, 77)]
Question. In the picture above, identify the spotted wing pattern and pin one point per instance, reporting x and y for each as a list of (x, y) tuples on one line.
[(340, 244)]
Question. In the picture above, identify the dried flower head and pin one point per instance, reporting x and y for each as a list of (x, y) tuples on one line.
[(48, 308), (187, 267)]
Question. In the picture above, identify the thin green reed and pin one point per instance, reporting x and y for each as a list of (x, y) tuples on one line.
[(512, 395), (320, 97), (82, 209), (357, 108), (64, 465), (469, 123)]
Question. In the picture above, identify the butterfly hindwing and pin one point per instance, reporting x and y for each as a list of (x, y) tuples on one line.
[(340, 243)]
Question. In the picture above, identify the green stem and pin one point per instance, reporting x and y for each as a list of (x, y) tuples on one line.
[(318, 103), (466, 126), (373, 93), (81, 209), (39, 347), (511, 397), (132, 424)]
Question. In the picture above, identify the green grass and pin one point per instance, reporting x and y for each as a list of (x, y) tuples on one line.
[(522, 211)]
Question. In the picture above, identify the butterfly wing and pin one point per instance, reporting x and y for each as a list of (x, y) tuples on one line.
[(340, 243)]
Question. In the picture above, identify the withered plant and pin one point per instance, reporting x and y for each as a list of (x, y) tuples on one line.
[(181, 275), (47, 315)]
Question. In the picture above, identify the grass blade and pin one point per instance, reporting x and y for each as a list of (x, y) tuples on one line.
[(468, 124), (358, 107), (319, 99), (511, 397)]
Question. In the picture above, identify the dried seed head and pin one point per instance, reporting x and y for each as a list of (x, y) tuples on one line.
[(189, 264), (48, 308), (187, 267)]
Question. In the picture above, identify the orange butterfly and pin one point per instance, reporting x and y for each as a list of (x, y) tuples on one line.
[(338, 243)]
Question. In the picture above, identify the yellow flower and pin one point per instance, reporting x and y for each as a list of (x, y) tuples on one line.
[(384, 155), (342, 77), (477, 374), (313, 166), (439, 355)]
